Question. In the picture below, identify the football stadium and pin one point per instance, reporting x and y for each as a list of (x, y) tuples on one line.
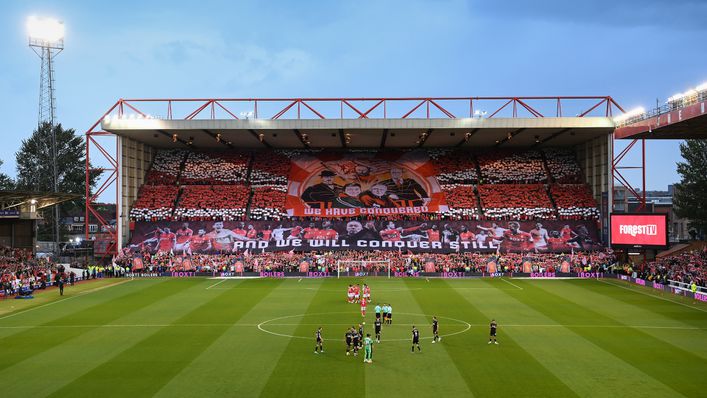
[(363, 246)]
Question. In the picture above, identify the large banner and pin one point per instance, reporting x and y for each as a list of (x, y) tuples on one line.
[(335, 184), (427, 237)]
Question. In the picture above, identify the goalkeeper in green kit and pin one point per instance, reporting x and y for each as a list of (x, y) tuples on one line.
[(368, 349)]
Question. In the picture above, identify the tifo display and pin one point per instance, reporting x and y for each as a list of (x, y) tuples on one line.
[(419, 184)]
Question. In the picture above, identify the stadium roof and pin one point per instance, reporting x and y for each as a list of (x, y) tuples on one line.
[(670, 122), (362, 133), (21, 199), (468, 122)]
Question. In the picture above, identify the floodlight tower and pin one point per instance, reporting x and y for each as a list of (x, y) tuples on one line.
[(46, 39)]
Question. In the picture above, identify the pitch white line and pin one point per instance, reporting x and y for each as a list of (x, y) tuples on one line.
[(216, 284), (651, 295), (65, 299), (268, 322), (511, 283), (206, 325)]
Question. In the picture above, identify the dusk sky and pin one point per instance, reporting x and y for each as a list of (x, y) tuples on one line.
[(635, 51)]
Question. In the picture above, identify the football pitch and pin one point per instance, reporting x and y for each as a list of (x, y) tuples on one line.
[(171, 337)]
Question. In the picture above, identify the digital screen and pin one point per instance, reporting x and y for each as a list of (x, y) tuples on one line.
[(639, 230)]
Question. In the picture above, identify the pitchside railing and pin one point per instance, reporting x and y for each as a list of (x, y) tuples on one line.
[(687, 287)]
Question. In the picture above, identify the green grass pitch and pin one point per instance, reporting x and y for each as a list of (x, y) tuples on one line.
[(242, 338)]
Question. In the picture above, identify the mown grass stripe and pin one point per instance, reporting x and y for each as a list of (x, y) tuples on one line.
[(679, 369), (153, 361), (686, 331), (393, 359), (242, 341), (21, 346), (487, 368), (301, 373), (64, 362), (582, 365)]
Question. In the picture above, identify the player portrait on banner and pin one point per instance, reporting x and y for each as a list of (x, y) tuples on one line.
[(351, 184)]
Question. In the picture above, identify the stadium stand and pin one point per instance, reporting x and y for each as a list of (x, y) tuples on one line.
[(216, 168), (462, 202), (504, 167), (268, 203), (211, 202), (562, 165), (687, 267), (154, 202), (574, 202), (165, 167), (512, 185), (515, 202), (454, 167)]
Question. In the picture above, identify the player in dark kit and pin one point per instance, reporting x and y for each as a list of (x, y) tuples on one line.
[(415, 339), (356, 340), (320, 342), (435, 330), (378, 325), (492, 333), (349, 339)]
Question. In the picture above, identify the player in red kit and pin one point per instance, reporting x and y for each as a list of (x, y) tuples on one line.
[(350, 294), (363, 307), (366, 292), (357, 293)]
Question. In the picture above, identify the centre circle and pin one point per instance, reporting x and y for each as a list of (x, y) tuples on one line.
[(267, 326)]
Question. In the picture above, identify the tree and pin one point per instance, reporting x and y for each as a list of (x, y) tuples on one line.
[(35, 166), (690, 196), (6, 182)]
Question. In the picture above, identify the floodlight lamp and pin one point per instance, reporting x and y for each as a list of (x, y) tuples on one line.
[(630, 114), (47, 30), (33, 201)]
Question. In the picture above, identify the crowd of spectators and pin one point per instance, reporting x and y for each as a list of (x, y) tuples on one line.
[(511, 188), (501, 167), (687, 267), (268, 203), (216, 168), (454, 167), (154, 202), (563, 166), (212, 202), (270, 169), (462, 203), (574, 201), (165, 167), (515, 202), (373, 261), (18, 269)]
